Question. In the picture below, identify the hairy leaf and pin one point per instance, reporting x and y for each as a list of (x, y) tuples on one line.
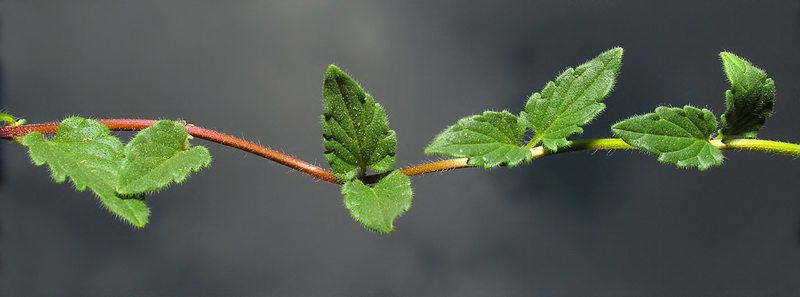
[(572, 100), (377, 207), (356, 128), (749, 101), (488, 140), (157, 156), (84, 151), (4, 117), (677, 136)]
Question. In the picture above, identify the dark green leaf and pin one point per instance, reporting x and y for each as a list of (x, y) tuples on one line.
[(572, 100), (677, 136), (84, 151), (157, 156), (749, 101), (356, 128), (377, 207), (488, 140)]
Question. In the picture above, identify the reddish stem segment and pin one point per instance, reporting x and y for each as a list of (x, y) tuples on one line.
[(11, 132)]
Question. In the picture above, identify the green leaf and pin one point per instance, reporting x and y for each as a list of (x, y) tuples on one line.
[(157, 156), (356, 129), (749, 101), (377, 207), (677, 136), (84, 151), (4, 117), (572, 100), (488, 140)]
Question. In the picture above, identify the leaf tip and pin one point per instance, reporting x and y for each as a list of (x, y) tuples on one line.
[(333, 71), (728, 58), (615, 55), (616, 51)]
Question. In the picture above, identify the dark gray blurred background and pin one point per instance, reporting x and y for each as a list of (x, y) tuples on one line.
[(580, 224)]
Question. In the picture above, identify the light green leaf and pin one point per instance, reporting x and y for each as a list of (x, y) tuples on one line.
[(356, 128), (749, 101), (572, 100), (84, 151), (157, 156), (488, 140), (377, 207), (4, 117), (677, 136)]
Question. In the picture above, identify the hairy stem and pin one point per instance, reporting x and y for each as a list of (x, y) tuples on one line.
[(536, 152), (759, 145), (14, 132)]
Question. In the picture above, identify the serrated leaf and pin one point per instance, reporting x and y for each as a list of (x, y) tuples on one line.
[(572, 100), (749, 101), (488, 140), (377, 207), (356, 129), (84, 151), (677, 136), (157, 156)]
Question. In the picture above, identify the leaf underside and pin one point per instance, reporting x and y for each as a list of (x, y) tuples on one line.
[(488, 140), (675, 135), (572, 100), (84, 151), (749, 101), (356, 128), (377, 207), (159, 155)]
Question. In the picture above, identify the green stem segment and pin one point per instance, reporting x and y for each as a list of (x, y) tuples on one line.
[(536, 152), (759, 145), (14, 132), (767, 146)]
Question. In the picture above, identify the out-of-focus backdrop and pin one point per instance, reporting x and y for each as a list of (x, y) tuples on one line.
[(579, 224)]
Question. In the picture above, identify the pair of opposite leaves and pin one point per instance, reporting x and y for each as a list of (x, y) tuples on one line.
[(83, 150), (682, 136)]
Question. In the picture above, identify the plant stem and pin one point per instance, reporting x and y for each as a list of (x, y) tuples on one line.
[(759, 145), (536, 139), (14, 132), (536, 152)]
